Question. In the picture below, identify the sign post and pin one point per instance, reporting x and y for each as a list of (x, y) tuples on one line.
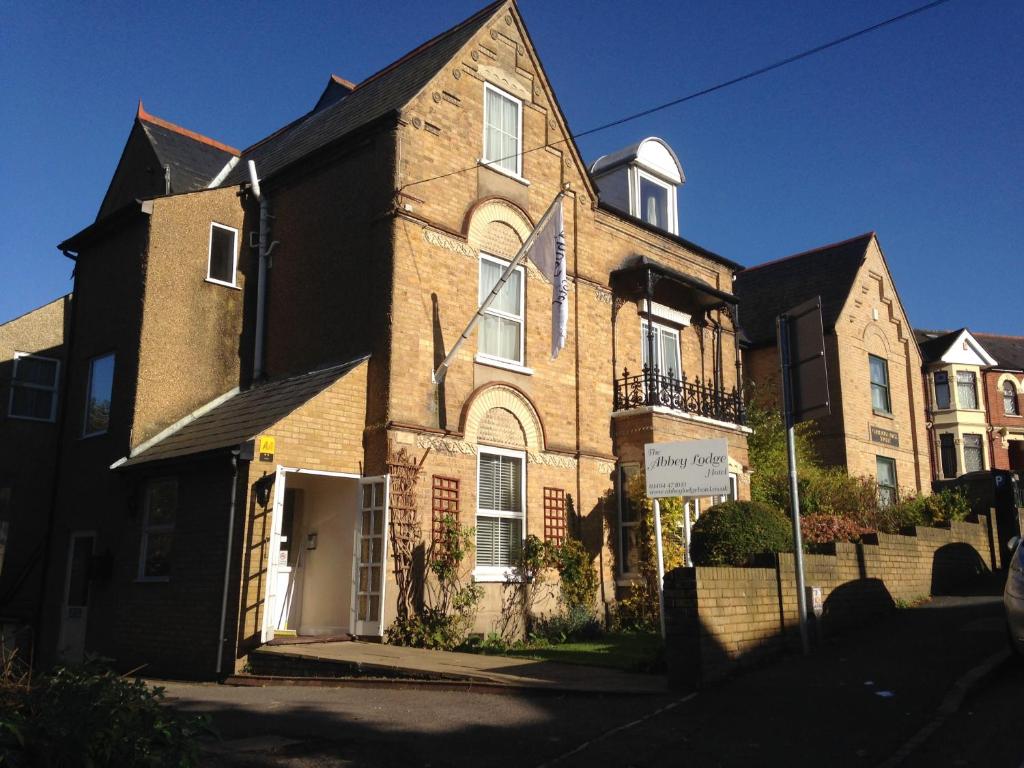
[(805, 395), (690, 468)]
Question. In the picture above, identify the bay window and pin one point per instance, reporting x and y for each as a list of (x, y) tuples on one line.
[(974, 459), (941, 390), (966, 389)]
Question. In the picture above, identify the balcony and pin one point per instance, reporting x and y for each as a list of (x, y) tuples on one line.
[(692, 397)]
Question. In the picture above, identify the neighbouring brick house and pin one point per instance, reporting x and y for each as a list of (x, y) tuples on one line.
[(1004, 397), (232, 408), (32, 358), (956, 401), (877, 423)]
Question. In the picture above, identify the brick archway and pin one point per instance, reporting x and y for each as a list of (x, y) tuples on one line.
[(504, 398)]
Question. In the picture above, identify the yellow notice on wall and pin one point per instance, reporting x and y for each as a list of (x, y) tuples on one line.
[(267, 448)]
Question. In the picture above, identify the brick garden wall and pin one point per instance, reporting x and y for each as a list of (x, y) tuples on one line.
[(718, 619)]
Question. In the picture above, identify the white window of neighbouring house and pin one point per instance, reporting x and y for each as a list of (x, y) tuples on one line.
[(666, 349), (734, 489), (974, 458), (941, 390), (629, 524), (98, 394), (500, 516), (34, 387), (967, 389), (880, 401), (885, 475), (160, 508), (503, 130), (223, 263), (655, 202), (1010, 405), (501, 328)]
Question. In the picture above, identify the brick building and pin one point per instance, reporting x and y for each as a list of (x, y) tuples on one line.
[(1004, 397), (957, 401), (876, 427), (232, 407), (32, 358)]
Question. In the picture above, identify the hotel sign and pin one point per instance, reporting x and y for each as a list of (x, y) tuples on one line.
[(884, 436), (688, 468)]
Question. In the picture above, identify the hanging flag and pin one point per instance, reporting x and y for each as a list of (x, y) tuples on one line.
[(548, 253)]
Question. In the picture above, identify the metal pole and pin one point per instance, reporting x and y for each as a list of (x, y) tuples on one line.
[(794, 491), (661, 565), (688, 561), (649, 294)]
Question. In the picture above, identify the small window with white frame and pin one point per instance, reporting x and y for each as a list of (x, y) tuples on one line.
[(501, 327), (500, 513), (98, 395), (222, 265), (666, 349), (160, 510), (734, 489), (503, 131), (654, 202), (34, 387)]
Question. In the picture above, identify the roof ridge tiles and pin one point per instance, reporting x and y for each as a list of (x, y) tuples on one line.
[(144, 116)]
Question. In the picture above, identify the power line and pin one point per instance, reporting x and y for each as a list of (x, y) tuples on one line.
[(711, 89)]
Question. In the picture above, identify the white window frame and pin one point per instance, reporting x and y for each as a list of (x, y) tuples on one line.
[(15, 384), (895, 478), (886, 387), (520, 318), (88, 394), (673, 219), (981, 451), (493, 162), (147, 529), (734, 489), (974, 386), (487, 573), (660, 328), (234, 260)]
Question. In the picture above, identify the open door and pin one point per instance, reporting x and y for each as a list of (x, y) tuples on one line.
[(371, 550), (71, 644), (271, 605)]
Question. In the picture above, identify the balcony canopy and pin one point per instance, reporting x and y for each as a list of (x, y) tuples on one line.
[(640, 277)]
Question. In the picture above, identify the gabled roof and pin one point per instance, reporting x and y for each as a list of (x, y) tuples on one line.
[(194, 159), (768, 289), (379, 95), (237, 417), (959, 346), (1007, 350)]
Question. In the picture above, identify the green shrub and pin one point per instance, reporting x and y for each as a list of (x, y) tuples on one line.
[(941, 508), (444, 619), (89, 715), (733, 532)]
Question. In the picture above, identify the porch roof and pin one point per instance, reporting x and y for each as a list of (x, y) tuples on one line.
[(237, 417), (631, 280)]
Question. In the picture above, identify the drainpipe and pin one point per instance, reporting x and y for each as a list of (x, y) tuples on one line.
[(261, 280), (649, 296), (227, 561)]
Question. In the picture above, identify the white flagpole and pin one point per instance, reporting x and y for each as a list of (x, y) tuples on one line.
[(438, 375)]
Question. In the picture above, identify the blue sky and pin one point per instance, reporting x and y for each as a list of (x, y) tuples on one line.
[(914, 131)]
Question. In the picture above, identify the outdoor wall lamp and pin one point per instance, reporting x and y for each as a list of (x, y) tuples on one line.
[(262, 489)]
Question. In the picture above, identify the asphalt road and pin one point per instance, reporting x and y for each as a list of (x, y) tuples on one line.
[(854, 702)]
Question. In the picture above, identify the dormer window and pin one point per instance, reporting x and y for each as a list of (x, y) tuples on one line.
[(656, 202), (642, 180)]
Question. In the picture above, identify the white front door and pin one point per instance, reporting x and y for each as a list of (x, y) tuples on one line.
[(275, 597), (71, 643), (371, 550)]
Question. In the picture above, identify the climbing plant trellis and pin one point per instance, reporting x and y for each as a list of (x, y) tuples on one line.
[(405, 529)]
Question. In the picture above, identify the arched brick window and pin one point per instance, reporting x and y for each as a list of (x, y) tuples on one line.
[(1010, 405)]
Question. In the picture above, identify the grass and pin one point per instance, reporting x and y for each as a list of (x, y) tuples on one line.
[(628, 651)]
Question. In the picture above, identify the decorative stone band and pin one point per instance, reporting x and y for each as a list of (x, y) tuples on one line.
[(447, 243), (456, 447)]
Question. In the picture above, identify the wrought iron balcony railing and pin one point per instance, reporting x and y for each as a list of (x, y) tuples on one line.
[(693, 396)]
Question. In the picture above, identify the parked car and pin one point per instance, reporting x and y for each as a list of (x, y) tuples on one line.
[(1013, 596)]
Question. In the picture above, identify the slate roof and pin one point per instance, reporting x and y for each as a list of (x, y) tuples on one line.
[(768, 289), (195, 160), (381, 94), (934, 344), (243, 416), (1007, 350)]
